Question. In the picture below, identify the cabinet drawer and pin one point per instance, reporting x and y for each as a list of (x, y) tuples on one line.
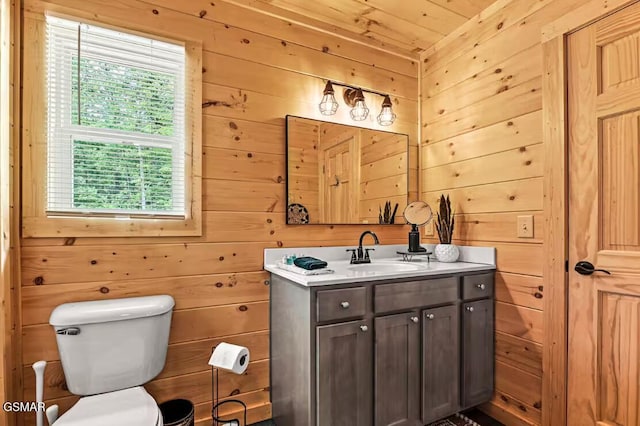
[(477, 286), (342, 303), (415, 294)]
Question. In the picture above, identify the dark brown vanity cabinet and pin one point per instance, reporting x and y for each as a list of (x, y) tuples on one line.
[(441, 361), (396, 362), (477, 352), (402, 353), (344, 373)]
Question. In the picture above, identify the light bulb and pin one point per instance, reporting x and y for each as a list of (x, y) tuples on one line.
[(328, 104), (359, 111), (386, 116)]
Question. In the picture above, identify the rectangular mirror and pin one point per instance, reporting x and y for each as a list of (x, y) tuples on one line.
[(339, 174)]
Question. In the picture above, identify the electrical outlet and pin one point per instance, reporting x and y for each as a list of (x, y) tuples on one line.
[(428, 229), (525, 226)]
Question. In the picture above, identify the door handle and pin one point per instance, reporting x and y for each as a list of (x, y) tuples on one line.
[(586, 268)]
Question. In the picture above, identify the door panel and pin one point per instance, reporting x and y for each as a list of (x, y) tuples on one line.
[(477, 352), (620, 363), (339, 163), (620, 182), (343, 374), (604, 221), (397, 370), (620, 69), (441, 362)]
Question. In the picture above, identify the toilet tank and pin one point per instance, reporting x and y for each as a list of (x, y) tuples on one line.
[(115, 344)]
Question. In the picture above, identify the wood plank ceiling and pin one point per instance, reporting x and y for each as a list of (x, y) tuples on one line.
[(407, 27)]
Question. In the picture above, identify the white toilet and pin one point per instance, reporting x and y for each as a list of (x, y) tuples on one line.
[(109, 349)]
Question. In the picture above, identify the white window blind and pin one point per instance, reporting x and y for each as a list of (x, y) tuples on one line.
[(116, 123)]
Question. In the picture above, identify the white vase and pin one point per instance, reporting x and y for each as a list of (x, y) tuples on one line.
[(447, 253)]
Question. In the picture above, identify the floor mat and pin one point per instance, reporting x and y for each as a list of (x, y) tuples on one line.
[(455, 420)]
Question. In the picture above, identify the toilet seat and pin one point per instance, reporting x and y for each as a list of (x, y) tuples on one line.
[(127, 407)]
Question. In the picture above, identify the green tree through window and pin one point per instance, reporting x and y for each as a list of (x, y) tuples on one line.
[(119, 176), (123, 175)]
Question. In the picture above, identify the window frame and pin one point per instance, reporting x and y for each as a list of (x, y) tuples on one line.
[(36, 222)]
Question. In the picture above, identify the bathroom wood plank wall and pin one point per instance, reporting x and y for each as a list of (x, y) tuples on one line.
[(383, 174), (482, 144), (5, 189), (303, 165), (256, 70), (9, 247)]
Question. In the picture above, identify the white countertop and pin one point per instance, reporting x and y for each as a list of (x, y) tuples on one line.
[(388, 265), (347, 273)]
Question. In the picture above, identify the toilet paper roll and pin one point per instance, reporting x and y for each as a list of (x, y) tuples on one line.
[(230, 357)]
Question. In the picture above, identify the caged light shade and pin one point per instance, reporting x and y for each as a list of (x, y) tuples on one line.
[(328, 105), (386, 116), (359, 111)]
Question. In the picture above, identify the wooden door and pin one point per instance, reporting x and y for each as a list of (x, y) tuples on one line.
[(339, 186), (397, 370), (604, 221), (440, 362), (477, 352), (343, 374)]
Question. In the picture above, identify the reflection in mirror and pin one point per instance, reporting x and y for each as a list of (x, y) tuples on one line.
[(339, 174)]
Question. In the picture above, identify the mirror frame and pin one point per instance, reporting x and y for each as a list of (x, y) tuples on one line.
[(286, 161)]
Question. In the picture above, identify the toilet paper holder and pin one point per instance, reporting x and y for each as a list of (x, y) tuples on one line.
[(220, 361)]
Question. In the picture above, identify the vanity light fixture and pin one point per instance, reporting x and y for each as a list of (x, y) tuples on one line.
[(386, 116), (328, 104), (359, 111), (354, 97)]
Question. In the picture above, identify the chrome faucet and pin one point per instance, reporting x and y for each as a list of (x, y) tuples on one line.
[(361, 255)]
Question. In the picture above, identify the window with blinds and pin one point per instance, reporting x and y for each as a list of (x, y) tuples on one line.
[(116, 123)]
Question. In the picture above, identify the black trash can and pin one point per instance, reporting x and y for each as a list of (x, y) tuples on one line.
[(177, 412)]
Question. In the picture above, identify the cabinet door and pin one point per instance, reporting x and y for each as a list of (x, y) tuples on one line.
[(440, 362), (397, 370), (477, 352), (343, 374)]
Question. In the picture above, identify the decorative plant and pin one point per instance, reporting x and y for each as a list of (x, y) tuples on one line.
[(446, 221)]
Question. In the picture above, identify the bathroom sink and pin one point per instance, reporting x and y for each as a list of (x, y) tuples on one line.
[(382, 268)]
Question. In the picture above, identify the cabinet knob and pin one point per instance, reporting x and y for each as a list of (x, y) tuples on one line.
[(415, 319), (430, 316), (470, 308), (481, 286), (345, 305), (364, 328)]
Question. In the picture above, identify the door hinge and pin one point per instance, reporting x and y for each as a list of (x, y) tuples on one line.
[(566, 265)]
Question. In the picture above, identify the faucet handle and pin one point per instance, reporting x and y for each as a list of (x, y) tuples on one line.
[(366, 252), (353, 255)]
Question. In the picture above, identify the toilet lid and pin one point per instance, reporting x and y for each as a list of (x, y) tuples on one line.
[(128, 407)]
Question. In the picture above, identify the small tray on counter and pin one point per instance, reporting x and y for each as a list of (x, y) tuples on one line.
[(407, 256)]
